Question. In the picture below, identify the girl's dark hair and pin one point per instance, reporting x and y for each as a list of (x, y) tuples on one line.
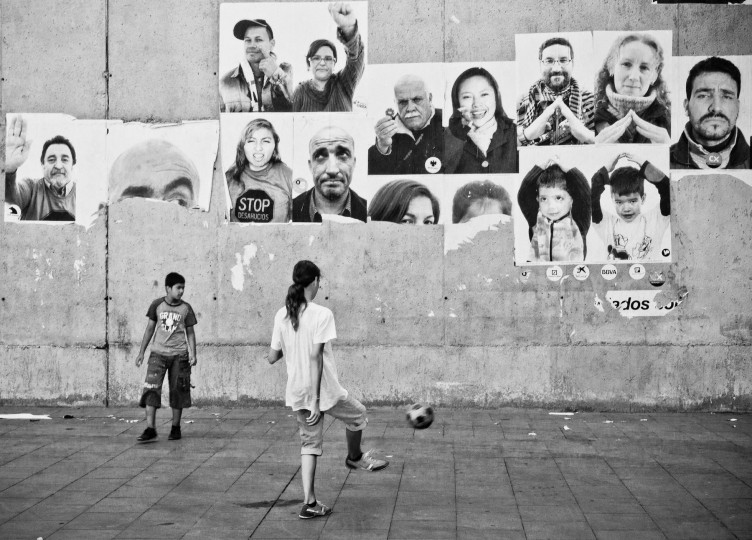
[(303, 274), (476, 191), (240, 159), (391, 201), (455, 121), (604, 77)]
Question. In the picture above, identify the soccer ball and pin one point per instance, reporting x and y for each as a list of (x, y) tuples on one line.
[(420, 416)]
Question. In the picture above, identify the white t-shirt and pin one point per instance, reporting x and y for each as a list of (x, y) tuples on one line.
[(641, 239), (316, 326)]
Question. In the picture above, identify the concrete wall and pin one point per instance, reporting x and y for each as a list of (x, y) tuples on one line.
[(414, 324)]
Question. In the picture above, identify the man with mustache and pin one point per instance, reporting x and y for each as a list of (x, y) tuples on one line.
[(332, 160), (50, 198), (555, 110), (259, 83), (410, 141), (711, 139)]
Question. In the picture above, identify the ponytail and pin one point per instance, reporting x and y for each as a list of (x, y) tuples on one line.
[(304, 273)]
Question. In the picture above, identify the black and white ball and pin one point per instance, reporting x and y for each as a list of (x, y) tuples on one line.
[(420, 416)]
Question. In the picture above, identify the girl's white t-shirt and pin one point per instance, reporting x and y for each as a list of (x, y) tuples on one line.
[(316, 326)]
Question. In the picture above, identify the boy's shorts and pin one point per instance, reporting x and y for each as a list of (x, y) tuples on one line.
[(349, 410), (178, 369)]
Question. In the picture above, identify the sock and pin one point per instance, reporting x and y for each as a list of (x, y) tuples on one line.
[(357, 458), (311, 505)]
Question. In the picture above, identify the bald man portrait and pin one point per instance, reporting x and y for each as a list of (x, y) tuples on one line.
[(155, 169), (331, 161), (409, 140)]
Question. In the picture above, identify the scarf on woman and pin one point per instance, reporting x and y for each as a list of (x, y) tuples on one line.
[(482, 135), (619, 104)]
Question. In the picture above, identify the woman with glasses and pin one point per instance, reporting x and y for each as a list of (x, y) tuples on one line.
[(480, 137), (327, 91), (631, 98)]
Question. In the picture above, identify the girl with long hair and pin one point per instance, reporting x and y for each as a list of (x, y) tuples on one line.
[(404, 201)]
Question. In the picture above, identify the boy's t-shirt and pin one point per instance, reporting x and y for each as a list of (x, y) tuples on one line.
[(316, 326), (639, 239), (169, 337)]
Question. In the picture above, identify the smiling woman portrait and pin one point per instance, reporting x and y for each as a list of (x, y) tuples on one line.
[(632, 102), (480, 137)]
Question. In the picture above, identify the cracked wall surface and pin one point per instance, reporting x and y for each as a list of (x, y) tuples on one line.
[(461, 328)]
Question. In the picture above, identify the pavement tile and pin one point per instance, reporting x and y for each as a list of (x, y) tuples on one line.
[(67, 534), (545, 513), (298, 528), (621, 522), (702, 530), (629, 535), (507, 519), (422, 530), (543, 530), (24, 530)]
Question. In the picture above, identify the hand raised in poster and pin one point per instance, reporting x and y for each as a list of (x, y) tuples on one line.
[(657, 135), (576, 126), (538, 127), (268, 65), (612, 133), (385, 129), (16, 145), (556, 160), (344, 16)]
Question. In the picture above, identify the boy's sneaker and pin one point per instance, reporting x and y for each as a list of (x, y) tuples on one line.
[(319, 510), (148, 435), (174, 434), (367, 462)]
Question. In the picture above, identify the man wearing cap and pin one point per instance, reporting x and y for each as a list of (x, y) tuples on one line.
[(711, 139), (259, 83), (332, 161), (555, 110), (50, 198), (327, 91), (410, 141)]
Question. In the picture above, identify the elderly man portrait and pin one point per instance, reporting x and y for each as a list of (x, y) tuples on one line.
[(711, 139), (50, 198), (260, 82), (555, 109), (409, 140), (331, 162)]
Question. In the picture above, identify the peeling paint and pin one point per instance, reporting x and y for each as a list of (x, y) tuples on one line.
[(461, 287), (78, 266), (310, 240), (431, 314), (237, 274), (249, 252), (271, 256), (598, 304), (458, 234)]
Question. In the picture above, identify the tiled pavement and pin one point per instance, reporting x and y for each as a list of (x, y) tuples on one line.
[(475, 474)]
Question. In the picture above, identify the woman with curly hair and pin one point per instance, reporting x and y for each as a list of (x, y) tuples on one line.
[(259, 182), (404, 201), (480, 138), (632, 103)]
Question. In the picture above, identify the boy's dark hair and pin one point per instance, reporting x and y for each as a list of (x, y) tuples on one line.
[(714, 64), (316, 45), (304, 273), (475, 191), (57, 139), (552, 177), (555, 41), (627, 180), (173, 278)]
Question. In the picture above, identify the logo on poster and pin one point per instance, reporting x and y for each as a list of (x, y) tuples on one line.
[(433, 165), (637, 271), (608, 271), (254, 206), (581, 272), (554, 273)]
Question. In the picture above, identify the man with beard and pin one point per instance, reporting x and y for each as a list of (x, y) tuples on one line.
[(408, 139), (259, 83), (711, 139), (332, 160), (50, 198), (555, 110)]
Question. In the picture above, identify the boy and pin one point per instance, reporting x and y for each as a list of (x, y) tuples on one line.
[(631, 234), (302, 333), (171, 323), (555, 202)]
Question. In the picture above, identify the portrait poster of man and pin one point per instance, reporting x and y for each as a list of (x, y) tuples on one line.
[(406, 200), (272, 41), (257, 156), (479, 116), (406, 108), (555, 74), (331, 162), (711, 114), (633, 73), (55, 168), (167, 162), (560, 219)]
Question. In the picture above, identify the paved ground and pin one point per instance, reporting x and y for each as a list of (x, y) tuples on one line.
[(509, 473)]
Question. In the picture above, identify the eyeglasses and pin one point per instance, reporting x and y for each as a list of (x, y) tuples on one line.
[(560, 61), (326, 59)]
